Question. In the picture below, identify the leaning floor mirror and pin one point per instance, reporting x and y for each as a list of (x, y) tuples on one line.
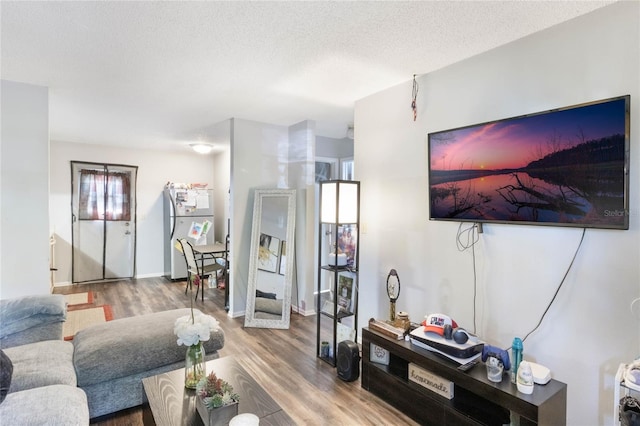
[(271, 260)]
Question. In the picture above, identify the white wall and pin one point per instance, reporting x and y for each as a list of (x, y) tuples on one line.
[(302, 143), (267, 156), (24, 183), (259, 156), (219, 134), (155, 169), (222, 179), (589, 329), (334, 148)]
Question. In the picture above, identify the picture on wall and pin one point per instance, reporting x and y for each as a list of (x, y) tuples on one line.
[(346, 282), (564, 167), (268, 253), (282, 269)]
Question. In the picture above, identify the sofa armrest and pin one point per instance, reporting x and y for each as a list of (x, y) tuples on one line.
[(31, 319)]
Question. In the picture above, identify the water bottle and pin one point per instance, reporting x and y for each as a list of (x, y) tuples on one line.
[(516, 356)]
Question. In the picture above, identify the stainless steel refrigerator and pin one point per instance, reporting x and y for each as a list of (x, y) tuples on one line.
[(186, 213)]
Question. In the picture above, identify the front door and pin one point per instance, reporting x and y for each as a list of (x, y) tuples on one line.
[(103, 215)]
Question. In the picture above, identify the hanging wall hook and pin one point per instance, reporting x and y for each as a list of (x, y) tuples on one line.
[(414, 96)]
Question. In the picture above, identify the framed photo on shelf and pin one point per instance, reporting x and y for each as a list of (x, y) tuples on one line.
[(346, 287), (268, 253), (327, 307), (344, 304), (347, 243), (282, 268), (344, 332)]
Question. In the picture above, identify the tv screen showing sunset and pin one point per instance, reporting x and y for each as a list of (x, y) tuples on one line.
[(564, 166)]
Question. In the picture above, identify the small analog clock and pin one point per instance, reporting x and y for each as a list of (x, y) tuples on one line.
[(393, 285)]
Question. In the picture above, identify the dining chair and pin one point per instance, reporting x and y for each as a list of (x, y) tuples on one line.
[(227, 241), (194, 269)]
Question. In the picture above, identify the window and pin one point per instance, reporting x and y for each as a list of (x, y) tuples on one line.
[(346, 168), (104, 195)]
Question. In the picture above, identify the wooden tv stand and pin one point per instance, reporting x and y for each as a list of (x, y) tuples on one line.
[(476, 401)]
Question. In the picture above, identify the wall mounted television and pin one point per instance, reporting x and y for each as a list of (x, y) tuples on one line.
[(563, 167)]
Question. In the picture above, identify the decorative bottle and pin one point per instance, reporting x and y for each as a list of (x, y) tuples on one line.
[(195, 367), (516, 356)]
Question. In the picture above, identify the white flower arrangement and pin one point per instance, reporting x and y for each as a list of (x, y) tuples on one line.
[(194, 328)]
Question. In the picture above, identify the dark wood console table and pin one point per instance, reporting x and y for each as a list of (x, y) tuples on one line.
[(476, 401)]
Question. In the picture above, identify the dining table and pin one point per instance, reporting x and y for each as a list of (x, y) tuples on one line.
[(216, 251)]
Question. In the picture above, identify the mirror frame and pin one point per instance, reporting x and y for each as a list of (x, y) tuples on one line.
[(259, 196)]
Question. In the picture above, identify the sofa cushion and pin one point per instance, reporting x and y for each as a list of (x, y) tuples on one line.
[(41, 364), (265, 295), (29, 311), (270, 306), (48, 405), (6, 370), (108, 397), (129, 346)]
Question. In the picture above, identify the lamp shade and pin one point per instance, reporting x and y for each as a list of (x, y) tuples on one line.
[(339, 201)]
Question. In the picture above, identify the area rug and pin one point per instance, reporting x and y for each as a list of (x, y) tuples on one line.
[(79, 298), (77, 319)]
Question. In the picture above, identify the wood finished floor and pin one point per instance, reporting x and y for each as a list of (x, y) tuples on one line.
[(282, 361)]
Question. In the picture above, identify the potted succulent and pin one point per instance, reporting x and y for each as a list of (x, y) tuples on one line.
[(217, 403)]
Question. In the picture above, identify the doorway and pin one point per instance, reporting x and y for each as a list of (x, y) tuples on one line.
[(103, 217)]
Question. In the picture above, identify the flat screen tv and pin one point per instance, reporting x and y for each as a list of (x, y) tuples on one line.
[(562, 167)]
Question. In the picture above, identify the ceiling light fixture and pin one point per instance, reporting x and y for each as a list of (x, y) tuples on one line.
[(201, 148)]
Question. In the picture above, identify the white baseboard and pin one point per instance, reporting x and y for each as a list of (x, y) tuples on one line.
[(153, 275), (303, 312)]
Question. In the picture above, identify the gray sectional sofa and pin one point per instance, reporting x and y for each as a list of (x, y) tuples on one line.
[(99, 372)]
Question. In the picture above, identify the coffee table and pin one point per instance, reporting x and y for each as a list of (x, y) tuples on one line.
[(173, 405)]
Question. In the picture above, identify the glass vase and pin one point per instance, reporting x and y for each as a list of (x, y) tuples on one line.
[(194, 367)]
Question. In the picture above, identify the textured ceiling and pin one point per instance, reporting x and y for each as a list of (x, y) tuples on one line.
[(154, 74)]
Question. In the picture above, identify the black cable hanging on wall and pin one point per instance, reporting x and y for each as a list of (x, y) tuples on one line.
[(414, 96)]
